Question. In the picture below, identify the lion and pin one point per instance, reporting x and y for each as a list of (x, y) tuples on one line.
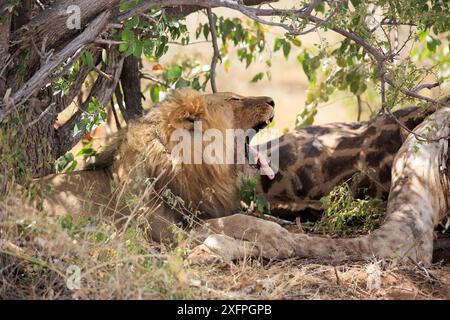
[(138, 169)]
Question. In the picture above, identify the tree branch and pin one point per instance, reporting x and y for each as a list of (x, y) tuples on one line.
[(428, 86), (102, 90), (119, 99), (45, 73), (411, 93), (216, 54), (62, 102), (116, 116), (185, 7), (52, 22)]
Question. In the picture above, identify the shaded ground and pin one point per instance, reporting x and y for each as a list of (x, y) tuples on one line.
[(311, 279), (37, 252)]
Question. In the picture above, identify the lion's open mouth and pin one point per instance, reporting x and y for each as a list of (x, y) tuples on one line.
[(263, 124), (256, 159)]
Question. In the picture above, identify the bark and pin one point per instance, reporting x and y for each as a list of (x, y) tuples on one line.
[(419, 200), (47, 72), (5, 25), (23, 16), (51, 23), (131, 87), (37, 136), (38, 159)]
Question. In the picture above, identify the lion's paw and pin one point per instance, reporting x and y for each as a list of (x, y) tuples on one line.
[(202, 254), (222, 247)]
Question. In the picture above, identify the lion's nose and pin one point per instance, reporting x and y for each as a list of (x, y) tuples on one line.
[(270, 101)]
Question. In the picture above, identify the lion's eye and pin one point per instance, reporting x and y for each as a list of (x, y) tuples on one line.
[(235, 98)]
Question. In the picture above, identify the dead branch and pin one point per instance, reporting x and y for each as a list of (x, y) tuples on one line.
[(62, 102), (116, 116), (45, 73), (119, 98), (102, 90)]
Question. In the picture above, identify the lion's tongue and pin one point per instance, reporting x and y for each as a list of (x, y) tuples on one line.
[(261, 160)]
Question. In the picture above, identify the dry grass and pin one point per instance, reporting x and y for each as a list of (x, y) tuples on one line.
[(312, 279), (36, 251)]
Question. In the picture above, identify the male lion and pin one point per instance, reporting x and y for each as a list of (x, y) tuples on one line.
[(138, 168)]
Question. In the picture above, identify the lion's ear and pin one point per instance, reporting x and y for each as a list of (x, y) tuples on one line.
[(189, 106)]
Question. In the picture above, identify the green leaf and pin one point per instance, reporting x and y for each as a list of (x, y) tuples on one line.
[(123, 47), (296, 42), (361, 88), (86, 151), (87, 59), (131, 47), (66, 221), (182, 83), (173, 73), (320, 7), (248, 60), (238, 34), (432, 43), (154, 93), (278, 44), (286, 49), (132, 23), (148, 46), (138, 49), (196, 84), (206, 31), (262, 204), (258, 77), (72, 167), (162, 48), (354, 86), (306, 117), (127, 35), (64, 161)]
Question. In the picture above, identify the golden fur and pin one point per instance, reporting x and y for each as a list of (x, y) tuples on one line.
[(138, 164)]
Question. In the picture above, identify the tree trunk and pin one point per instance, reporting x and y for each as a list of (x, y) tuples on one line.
[(131, 86), (38, 138), (39, 134), (34, 42), (5, 26)]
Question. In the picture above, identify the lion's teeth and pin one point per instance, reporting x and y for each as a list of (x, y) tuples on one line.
[(267, 121)]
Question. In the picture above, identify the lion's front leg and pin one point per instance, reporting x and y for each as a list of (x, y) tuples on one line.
[(239, 236)]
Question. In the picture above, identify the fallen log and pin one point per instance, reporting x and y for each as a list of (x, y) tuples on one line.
[(419, 199)]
